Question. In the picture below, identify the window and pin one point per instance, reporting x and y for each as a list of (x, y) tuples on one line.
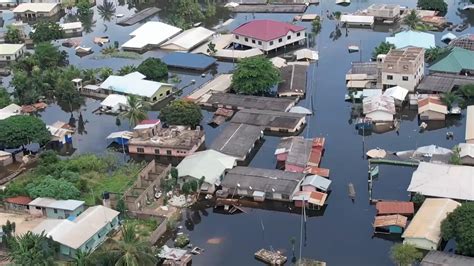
[(140, 150), (168, 152), (253, 41), (298, 34), (154, 99), (55, 210), (157, 151), (246, 39), (259, 43), (280, 40), (38, 208), (168, 92), (161, 94), (271, 43), (405, 78), (389, 77), (405, 67), (236, 37), (9, 57), (289, 37)]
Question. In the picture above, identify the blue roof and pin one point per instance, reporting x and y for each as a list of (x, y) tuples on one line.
[(412, 39), (189, 61), (317, 182)]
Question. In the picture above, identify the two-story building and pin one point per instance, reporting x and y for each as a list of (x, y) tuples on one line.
[(11, 52), (268, 35), (32, 11), (58, 209), (404, 68)]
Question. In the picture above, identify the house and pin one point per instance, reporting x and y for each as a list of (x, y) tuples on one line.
[(439, 258), (175, 141), (424, 231), (239, 101), (298, 153), (10, 110), (465, 41), (72, 28), (115, 103), (174, 256), (312, 199), (268, 35), (150, 35), (209, 164), (405, 208), (390, 224), (221, 83), (436, 83), (136, 84), (273, 121), (261, 184), (362, 75), (32, 11), (188, 39), (469, 136), (443, 181), (404, 68), (411, 38), (399, 94), (357, 20), (459, 61), (57, 209), (60, 132), (11, 52), (379, 108), (82, 233), (466, 153), (384, 12), (315, 183), (432, 108), (293, 81), (11, 3), (180, 60), (18, 203)]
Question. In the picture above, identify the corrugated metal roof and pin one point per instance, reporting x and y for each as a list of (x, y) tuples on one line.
[(188, 39), (432, 103), (438, 258), (69, 205), (394, 207), (151, 33), (467, 149), (457, 60), (20, 200), (132, 84), (313, 197), (317, 182), (188, 60), (412, 38), (35, 7), (379, 103), (388, 220)]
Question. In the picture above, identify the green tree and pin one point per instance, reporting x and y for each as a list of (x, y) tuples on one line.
[(83, 8), (174, 173), (456, 157), (49, 56), (45, 31), (181, 112), (405, 254), (106, 10), (184, 13), (4, 97), (21, 130), (210, 8), (418, 199), (438, 5), (186, 189), (316, 26), (53, 188), (154, 69), (89, 75), (12, 35), (412, 19), (211, 48), (137, 110), (32, 249), (67, 95), (255, 76), (467, 91), (434, 53), (181, 241), (449, 98), (83, 258), (383, 48), (126, 70), (105, 72), (458, 226)]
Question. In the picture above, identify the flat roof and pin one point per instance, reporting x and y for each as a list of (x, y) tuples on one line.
[(237, 140), (35, 7), (439, 258), (268, 119), (151, 33), (69, 205), (10, 48), (133, 83), (71, 25), (251, 102), (188, 61), (369, 20), (293, 80), (188, 39)]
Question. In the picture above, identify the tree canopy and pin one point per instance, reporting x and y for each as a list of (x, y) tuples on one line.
[(405, 254), (4, 97), (181, 112), (31, 249), (438, 5), (184, 13), (21, 130), (412, 19), (154, 69), (12, 35), (45, 31), (458, 226), (383, 48), (255, 76), (53, 188), (137, 110)]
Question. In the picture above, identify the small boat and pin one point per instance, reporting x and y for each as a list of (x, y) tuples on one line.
[(352, 192), (353, 48), (83, 49), (119, 15)]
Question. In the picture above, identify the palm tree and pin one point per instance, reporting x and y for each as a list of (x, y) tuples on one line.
[(106, 10), (89, 75), (467, 91), (127, 70), (432, 54), (449, 98), (82, 258), (383, 48), (137, 110), (412, 20), (31, 249)]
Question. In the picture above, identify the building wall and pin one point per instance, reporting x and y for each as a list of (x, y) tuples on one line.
[(16, 207), (466, 160), (162, 93), (380, 116), (398, 80), (421, 243), (34, 15), (308, 188), (431, 115), (152, 150), (293, 168), (273, 44), (13, 57), (63, 214)]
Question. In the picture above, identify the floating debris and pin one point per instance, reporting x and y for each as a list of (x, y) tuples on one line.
[(352, 192), (215, 240), (270, 257)]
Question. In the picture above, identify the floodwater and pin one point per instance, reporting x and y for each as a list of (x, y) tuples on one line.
[(343, 234)]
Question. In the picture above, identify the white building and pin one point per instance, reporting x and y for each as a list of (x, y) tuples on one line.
[(188, 39), (267, 34), (11, 3), (114, 103), (36, 10), (72, 28), (149, 35), (404, 68), (11, 52), (10, 110), (357, 20), (470, 124), (379, 108)]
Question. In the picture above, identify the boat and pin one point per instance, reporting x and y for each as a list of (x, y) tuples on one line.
[(343, 2), (353, 48), (352, 192), (119, 15)]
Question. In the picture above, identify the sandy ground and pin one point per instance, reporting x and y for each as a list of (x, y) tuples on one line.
[(24, 222)]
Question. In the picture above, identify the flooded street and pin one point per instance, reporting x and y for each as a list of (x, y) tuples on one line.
[(343, 234)]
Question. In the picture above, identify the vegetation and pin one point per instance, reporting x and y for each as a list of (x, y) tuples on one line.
[(126, 70), (83, 258), (450, 98), (211, 48), (434, 53), (438, 5), (4, 97), (181, 112), (181, 241), (143, 227), (137, 110), (184, 13), (383, 48), (418, 199), (458, 226), (412, 19), (467, 91), (316, 25), (49, 187), (405, 254), (45, 31), (456, 157), (12, 35), (210, 8), (255, 76), (106, 10), (154, 69), (83, 8), (31, 249), (105, 72), (21, 130)]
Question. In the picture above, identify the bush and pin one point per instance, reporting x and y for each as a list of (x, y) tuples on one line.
[(459, 226), (181, 112), (181, 241), (255, 76), (154, 69), (438, 5)]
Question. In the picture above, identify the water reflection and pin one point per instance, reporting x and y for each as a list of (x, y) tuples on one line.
[(106, 10)]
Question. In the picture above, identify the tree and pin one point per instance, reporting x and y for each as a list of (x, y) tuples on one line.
[(4, 97), (383, 48), (89, 75), (49, 187), (106, 10), (438, 5), (126, 70), (405, 254), (137, 110), (467, 91), (412, 19), (49, 56), (174, 173), (12, 35), (456, 157), (211, 48), (83, 8), (45, 31), (20, 130), (105, 72), (449, 98), (316, 26), (458, 226), (210, 8), (255, 76), (186, 189), (418, 199), (433, 53), (31, 249), (83, 258), (181, 112), (181, 241), (154, 69), (184, 13)]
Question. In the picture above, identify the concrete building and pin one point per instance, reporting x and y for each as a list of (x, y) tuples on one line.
[(188, 39), (384, 12), (11, 52), (298, 153), (72, 28), (11, 3), (268, 34), (432, 108), (439, 258), (32, 11), (467, 153), (57, 209), (17, 204), (404, 68), (379, 108)]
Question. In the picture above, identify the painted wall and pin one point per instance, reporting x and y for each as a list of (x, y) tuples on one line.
[(421, 243), (132, 148), (431, 115), (161, 93), (380, 116), (273, 44), (15, 56)]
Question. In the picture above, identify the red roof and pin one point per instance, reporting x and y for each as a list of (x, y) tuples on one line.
[(20, 200), (266, 30), (150, 122), (395, 207)]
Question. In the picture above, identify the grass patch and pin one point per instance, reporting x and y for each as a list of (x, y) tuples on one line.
[(143, 227), (119, 54)]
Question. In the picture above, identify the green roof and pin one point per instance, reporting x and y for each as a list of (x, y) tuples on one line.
[(457, 60)]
